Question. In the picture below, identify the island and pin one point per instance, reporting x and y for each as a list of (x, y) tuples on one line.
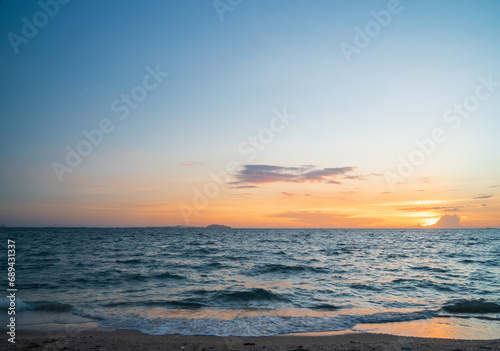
[(217, 226)]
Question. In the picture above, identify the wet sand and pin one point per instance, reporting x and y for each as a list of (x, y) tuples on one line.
[(102, 340)]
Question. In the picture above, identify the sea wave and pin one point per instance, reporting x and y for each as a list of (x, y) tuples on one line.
[(256, 294), (285, 269), (472, 306), (46, 306)]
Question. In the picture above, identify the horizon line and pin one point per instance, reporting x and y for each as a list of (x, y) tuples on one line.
[(204, 227)]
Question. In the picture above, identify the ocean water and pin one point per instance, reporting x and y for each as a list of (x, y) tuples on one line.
[(253, 282)]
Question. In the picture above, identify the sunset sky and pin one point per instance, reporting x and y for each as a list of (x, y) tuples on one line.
[(255, 114)]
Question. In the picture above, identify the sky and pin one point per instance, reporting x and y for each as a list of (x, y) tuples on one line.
[(271, 113)]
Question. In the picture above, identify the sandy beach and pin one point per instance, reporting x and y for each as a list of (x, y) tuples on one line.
[(129, 340)]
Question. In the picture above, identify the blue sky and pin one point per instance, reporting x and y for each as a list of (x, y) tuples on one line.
[(225, 79)]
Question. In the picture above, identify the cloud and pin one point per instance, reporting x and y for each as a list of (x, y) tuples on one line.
[(255, 174), (447, 221), (436, 208), (190, 164), (332, 182), (244, 187), (481, 196), (494, 186), (285, 194), (385, 192)]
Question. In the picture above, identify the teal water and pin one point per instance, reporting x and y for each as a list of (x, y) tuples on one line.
[(252, 281)]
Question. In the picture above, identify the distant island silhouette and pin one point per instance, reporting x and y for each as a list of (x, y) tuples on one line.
[(217, 226), (446, 221)]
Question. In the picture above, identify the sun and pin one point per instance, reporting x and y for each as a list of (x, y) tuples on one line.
[(430, 221)]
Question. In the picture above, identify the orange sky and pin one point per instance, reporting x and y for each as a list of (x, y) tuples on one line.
[(365, 202)]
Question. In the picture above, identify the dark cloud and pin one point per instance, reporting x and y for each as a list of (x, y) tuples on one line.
[(244, 187), (481, 196), (329, 181), (254, 174)]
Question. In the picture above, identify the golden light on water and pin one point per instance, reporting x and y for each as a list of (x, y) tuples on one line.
[(443, 328)]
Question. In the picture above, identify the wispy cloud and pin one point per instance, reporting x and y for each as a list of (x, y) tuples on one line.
[(254, 174), (190, 164), (481, 196), (354, 177), (494, 186), (244, 187), (436, 208), (285, 194)]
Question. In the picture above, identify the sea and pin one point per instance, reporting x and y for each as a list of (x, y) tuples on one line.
[(255, 282)]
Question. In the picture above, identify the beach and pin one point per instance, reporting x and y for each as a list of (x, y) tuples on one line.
[(130, 340)]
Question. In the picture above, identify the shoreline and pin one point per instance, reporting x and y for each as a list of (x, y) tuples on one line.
[(112, 339), (437, 327)]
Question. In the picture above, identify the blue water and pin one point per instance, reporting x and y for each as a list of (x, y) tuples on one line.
[(252, 281)]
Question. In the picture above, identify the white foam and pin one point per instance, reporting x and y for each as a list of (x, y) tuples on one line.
[(263, 325)]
